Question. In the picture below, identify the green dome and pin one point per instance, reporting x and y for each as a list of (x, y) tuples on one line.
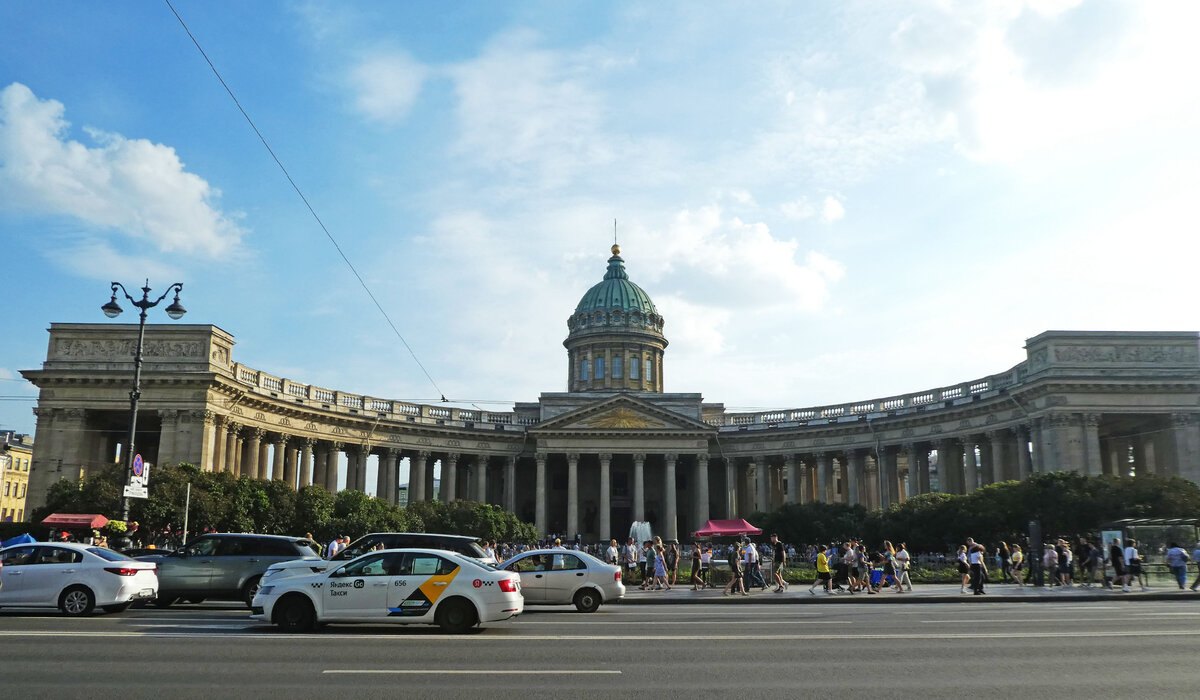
[(616, 292)]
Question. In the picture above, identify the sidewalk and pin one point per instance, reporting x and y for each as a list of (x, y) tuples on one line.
[(921, 593)]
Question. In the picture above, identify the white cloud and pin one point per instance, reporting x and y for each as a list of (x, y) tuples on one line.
[(386, 85), (832, 210), (130, 186), (798, 209), (520, 105)]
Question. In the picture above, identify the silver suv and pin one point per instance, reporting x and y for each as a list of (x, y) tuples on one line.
[(225, 566)]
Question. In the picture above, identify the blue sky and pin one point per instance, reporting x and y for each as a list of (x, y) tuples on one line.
[(828, 202)]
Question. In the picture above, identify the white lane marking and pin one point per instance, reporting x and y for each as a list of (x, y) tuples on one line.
[(687, 622), (237, 626), (423, 638), (683, 610), (1164, 614), (1025, 621), (474, 672)]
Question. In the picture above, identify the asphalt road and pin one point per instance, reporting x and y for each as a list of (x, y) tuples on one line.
[(1144, 649)]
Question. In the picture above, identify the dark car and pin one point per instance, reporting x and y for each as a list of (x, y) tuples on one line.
[(225, 566)]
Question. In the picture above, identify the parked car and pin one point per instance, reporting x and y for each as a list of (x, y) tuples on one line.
[(75, 578), (566, 577), (225, 566), (404, 586), (466, 546)]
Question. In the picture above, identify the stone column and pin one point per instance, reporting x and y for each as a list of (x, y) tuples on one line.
[(639, 487), (253, 451), (793, 478), (166, 436), (510, 483), (887, 477), (264, 454), (449, 478), (912, 486), (429, 465), (701, 489), (762, 499), (331, 466), (479, 479), (946, 449), (730, 488), (277, 461), (306, 462), (805, 485), (1187, 445), (605, 496), (321, 463), (671, 526), (289, 461), (871, 484), (219, 440), (824, 476), (987, 462), (855, 466), (1093, 457), (416, 477), (230, 463), (572, 494), (970, 470), (923, 485), (540, 495), (388, 476), (353, 461), (1024, 458)]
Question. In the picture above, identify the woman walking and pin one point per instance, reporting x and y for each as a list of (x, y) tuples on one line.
[(697, 567), (705, 564), (964, 568), (660, 569), (735, 569), (672, 561), (1016, 558), (889, 565), (1005, 558)]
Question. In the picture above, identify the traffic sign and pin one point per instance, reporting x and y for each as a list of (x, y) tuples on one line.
[(138, 465), (132, 491)]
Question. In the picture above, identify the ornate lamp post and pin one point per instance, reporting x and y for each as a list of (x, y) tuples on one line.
[(112, 309)]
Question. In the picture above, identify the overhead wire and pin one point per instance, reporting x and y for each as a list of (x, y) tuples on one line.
[(303, 198)]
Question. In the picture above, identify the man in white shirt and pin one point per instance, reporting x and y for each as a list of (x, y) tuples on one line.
[(902, 559), (750, 558), (1134, 562)]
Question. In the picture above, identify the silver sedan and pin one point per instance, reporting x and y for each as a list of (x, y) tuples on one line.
[(566, 577)]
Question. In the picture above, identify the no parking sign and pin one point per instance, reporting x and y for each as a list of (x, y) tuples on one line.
[(136, 488)]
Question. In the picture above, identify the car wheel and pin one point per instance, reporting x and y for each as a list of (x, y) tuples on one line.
[(456, 616), (295, 614), (119, 607), (587, 600), (76, 601), (249, 591), (163, 601)]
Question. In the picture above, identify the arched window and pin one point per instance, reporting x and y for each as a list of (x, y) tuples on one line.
[(599, 368), (583, 370), (649, 369), (617, 369)]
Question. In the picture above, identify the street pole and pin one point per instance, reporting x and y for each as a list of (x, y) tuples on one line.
[(112, 310), (187, 504)]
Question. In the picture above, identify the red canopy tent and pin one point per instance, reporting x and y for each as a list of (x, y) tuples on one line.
[(727, 528), (90, 521)]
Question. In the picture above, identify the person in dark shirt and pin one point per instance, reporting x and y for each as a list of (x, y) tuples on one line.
[(778, 560)]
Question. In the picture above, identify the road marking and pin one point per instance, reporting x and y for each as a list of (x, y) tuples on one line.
[(1163, 614), (1022, 620), (685, 622), (473, 672), (425, 638)]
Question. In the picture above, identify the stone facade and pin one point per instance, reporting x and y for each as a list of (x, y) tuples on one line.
[(16, 457)]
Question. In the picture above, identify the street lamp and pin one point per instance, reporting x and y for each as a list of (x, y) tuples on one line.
[(112, 309)]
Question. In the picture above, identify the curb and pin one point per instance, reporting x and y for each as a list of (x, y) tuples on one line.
[(690, 597)]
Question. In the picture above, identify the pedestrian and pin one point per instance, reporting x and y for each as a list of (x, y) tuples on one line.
[(978, 568), (613, 553), (1016, 558), (753, 572), (1177, 560), (964, 569), (647, 562), (706, 558), (850, 561), (672, 553), (1092, 561), (1133, 560), (735, 570), (630, 553), (1050, 564), (1196, 558), (1004, 556), (902, 562), (1116, 559), (823, 574), (660, 568), (697, 567), (778, 558), (889, 565)]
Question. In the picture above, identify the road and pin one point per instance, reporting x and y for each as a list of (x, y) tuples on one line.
[(1143, 649)]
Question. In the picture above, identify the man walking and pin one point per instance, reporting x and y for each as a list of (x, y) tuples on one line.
[(902, 560), (778, 560), (823, 576), (753, 573)]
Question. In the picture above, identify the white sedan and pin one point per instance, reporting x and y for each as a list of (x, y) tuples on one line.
[(400, 586), (75, 578), (566, 577)]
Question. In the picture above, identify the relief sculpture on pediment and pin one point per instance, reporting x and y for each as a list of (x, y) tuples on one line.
[(622, 418)]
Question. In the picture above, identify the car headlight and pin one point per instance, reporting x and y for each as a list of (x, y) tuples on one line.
[(265, 590), (271, 572)]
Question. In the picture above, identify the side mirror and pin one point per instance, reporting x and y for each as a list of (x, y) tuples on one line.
[(338, 573)]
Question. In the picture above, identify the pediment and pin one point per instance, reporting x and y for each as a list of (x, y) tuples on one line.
[(621, 414)]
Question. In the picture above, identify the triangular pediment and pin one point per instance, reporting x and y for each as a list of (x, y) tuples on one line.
[(621, 414)]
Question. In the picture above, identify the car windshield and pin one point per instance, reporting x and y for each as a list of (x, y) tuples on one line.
[(108, 554), (471, 562)]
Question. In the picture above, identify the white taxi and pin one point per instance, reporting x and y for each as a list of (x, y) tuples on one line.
[(400, 586)]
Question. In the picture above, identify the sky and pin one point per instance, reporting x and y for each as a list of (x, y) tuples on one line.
[(827, 201)]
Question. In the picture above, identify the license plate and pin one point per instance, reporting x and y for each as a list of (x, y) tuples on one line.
[(146, 593)]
